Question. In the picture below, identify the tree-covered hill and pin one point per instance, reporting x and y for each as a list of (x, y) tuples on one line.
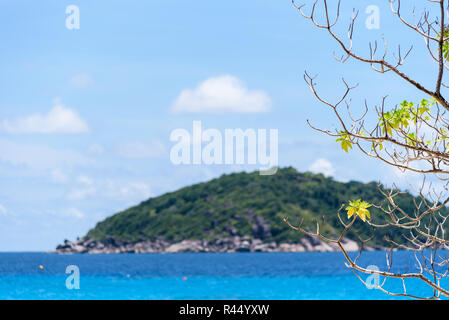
[(247, 204)]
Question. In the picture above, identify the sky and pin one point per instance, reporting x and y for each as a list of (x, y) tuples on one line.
[(86, 111)]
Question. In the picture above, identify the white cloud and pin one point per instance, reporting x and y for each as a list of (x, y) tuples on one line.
[(129, 190), (135, 189), (96, 149), (73, 212), (3, 210), (428, 185), (58, 120), (140, 150), (322, 166), (223, 94), (79, 194), (85, 180), (109, 189), (86, 190), (81, 80), (58, 176), (36, 156)]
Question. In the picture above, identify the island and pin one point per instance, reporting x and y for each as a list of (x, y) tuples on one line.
[(240, 212)]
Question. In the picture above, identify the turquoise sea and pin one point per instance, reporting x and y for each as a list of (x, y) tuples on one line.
[(195, 276)]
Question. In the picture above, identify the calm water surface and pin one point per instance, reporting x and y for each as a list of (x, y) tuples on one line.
[(193, 276)]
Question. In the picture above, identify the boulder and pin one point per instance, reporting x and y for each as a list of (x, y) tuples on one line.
[(350, 245), (185, 246)]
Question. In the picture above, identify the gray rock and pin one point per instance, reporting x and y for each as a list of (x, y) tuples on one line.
[(228, 244), (260, 228), (185, 246)]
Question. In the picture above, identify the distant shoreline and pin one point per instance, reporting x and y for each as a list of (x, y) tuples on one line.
[(231, 244)]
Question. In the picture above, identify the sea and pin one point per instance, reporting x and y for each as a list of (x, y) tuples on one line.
[(218, 276)]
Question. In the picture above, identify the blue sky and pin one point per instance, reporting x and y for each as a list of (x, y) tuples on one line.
[(86, 115)]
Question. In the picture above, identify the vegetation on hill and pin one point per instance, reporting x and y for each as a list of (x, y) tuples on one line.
[(249, 204)]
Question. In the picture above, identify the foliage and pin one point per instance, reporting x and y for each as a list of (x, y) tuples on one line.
[(360, 208)]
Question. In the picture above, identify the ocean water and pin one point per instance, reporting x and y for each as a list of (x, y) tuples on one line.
[(195, 276)]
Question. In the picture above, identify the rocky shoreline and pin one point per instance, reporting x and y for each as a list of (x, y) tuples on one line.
[(231, 244)]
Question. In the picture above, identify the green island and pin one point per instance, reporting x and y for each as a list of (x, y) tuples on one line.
[(243, 212)]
